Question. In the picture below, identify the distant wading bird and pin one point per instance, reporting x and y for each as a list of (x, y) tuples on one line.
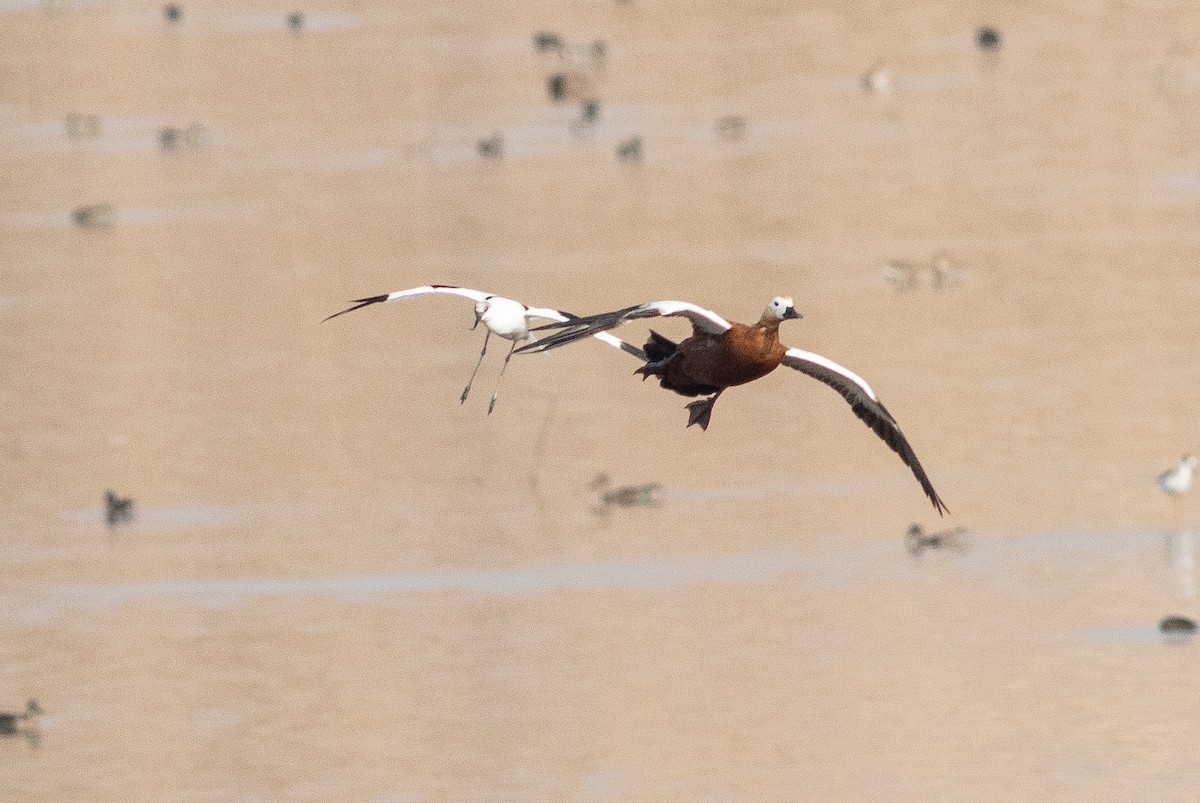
[(720, 354), (501, 316), (1177, 480), (117, 510)]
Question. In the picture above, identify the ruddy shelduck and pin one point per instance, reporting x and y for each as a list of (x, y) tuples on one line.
[(720, 354)]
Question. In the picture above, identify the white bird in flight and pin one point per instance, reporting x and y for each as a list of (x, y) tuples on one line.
[(500, 316)]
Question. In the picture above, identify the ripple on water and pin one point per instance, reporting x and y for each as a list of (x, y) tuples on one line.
[(1013, 565), (658, 573), (836, 564)]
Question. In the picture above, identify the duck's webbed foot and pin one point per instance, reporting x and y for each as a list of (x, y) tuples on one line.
[(700, 411)]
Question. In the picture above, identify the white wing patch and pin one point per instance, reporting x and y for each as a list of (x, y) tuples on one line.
[(615, 342), (703, 319), (799, 355)]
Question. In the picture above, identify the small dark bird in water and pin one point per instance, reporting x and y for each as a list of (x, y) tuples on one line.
[(117, 510), (599, 53), (1177, 625), (918, 540), (168, 137), (10, 723), (295, 21), (589, 111), (730, 128), (645, 495), (82, 126), (172, 12), (630, 150), (92, 216), (556, 87), (544, 41), (632, 495), (987, 38), (491, 147)]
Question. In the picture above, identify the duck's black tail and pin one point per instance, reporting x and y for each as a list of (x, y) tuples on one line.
[(658, 348), (659, 352)]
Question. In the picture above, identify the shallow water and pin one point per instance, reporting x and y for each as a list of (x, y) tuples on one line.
[(342, 584)]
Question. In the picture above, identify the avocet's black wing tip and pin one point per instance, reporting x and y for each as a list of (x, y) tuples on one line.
[(359, 303)]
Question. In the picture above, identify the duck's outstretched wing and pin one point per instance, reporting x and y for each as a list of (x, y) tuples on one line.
[(867, 407), (702, 320), (567, 319), (465, 292)]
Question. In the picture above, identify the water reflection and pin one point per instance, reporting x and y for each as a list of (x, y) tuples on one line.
[(656, 573), (831, 563), (1181, 554)]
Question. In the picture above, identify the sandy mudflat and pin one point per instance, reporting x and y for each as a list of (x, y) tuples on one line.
[(341, 584)]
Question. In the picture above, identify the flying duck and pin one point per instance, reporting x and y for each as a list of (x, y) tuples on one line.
[(720, 354)]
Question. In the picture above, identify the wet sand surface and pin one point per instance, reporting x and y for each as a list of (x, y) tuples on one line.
[(341, 584)]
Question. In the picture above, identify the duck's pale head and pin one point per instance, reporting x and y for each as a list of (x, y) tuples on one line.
[(780, 309)]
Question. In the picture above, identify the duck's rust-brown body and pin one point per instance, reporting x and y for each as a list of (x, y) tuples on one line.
[(705, 363)]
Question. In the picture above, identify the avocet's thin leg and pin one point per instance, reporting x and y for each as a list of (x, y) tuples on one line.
[(471, 381), (492, 403)]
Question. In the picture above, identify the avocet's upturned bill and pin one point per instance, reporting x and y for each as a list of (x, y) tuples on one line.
[(720, 354), (500, 316)]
